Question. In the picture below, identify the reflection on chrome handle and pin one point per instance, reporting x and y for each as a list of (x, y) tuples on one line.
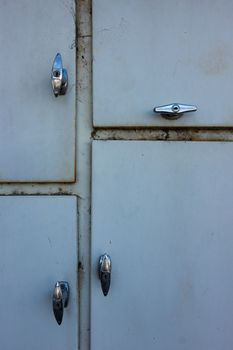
[(59, 77), (174, 110), (105, 267), (60, 299)]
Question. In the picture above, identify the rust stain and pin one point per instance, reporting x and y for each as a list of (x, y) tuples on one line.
[(173, 134), (80, 266), (62, 192), (36, 181), (83, 7)]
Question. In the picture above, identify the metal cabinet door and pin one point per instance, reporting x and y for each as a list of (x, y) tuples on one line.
[(163, 212), (151, 53), (38, 248), (37, 130)]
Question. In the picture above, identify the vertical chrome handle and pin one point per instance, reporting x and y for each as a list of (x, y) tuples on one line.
[(105, 268), (60, 299), (59, 76)]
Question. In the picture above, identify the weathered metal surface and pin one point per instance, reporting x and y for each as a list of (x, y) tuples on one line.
[(163, 212), (175, 134), (38, 247), (37, 130), (152, 53), (82, 46), (81, 188)]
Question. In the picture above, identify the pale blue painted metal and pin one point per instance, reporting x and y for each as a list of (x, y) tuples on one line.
[(151, 53), (163, 212), (37, 130), (38, 247)]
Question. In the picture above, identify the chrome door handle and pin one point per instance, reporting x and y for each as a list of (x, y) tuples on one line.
[(59, 76), (60, 299), (174, 110), (105, 267)]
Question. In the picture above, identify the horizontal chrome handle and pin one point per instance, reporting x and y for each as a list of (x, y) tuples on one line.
[(174, 110)]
